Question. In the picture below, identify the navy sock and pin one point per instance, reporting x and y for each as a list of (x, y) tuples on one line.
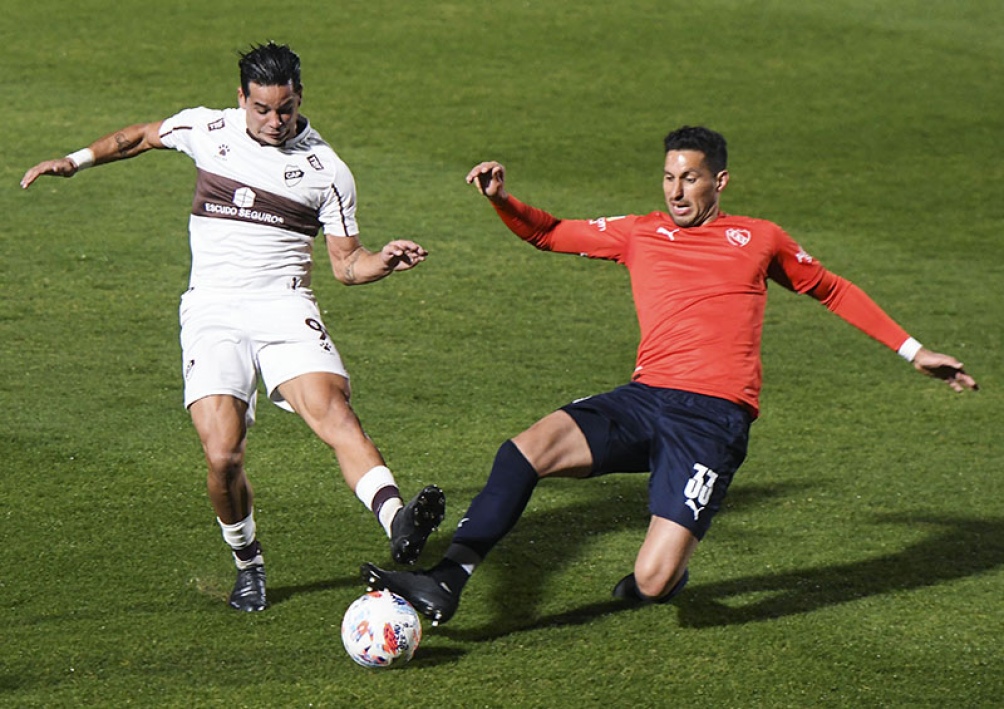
[(497, 508), (248, 554), (452, 574)]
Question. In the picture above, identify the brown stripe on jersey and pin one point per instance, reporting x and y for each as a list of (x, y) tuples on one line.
[(218, 197), (341, 209), (168, 132)]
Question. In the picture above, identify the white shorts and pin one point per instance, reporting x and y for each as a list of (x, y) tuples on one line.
[(229, 339)]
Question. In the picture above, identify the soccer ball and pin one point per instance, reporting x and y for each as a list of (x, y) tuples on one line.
[(381, 629)]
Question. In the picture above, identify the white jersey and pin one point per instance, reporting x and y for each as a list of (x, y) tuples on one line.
[(258, 208)]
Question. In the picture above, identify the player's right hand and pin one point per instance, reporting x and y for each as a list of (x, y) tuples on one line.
[(63, 167)]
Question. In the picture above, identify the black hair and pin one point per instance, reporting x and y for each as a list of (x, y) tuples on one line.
[(269, 65), (703, 140)]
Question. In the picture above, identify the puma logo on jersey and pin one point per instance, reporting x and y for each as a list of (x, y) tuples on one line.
[(667, 233)]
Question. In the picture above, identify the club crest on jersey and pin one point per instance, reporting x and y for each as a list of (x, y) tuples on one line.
[(244, 197), (738, 237), (292, 175)]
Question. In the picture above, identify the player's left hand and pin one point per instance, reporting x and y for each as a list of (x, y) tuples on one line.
[(401, 255), (489, 176), (944, 367)]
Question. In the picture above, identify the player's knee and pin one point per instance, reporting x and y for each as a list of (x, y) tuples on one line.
[(510, 452), (333, 420), (342, 432), (655, 581), (225, 465)]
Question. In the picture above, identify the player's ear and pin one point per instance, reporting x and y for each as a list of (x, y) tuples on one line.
[(241, 98), (721, 179)]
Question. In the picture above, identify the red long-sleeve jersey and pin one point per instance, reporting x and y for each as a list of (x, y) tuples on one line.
[(700, 292)]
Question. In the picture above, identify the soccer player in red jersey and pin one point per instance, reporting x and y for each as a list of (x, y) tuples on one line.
[(699, 280)]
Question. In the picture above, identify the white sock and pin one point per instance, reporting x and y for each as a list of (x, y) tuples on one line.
[(378, 490), (240, 536), (387, 513)]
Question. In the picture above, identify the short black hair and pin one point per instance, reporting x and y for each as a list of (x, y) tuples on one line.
[(269, 64), (703, 140)]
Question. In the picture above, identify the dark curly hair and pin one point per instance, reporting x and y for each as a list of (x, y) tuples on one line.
[(269, 65), (703, 140)]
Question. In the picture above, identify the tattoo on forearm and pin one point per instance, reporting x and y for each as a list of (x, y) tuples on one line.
[(350, 267), (124, 146)]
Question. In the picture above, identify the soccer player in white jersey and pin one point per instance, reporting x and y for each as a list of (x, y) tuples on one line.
[(267, 183)]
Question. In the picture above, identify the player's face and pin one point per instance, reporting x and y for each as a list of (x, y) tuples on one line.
[(692, 190), (272, 112)]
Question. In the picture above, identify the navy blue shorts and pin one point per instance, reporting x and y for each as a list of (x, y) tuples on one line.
[(690, 443)]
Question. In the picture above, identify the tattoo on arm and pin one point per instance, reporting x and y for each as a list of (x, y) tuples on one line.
[(123, 144), (126, 145), (350, 266)]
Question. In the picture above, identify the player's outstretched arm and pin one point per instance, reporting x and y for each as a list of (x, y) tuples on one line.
[(528, 223), (944, 367), (353, 264), (125, 143)]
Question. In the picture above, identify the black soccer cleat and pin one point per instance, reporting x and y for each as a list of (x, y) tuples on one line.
[(431, 598), (627, 590), (414, 522), (249, 591)]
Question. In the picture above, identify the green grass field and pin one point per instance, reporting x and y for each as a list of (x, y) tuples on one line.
[(860, 559)]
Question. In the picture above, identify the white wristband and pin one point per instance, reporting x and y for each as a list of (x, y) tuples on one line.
[(83, 158), (909, 349)]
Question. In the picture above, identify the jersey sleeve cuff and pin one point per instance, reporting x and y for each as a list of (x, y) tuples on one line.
[(909, 349)]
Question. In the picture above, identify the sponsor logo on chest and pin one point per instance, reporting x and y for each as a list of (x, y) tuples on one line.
[(243, 202)]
